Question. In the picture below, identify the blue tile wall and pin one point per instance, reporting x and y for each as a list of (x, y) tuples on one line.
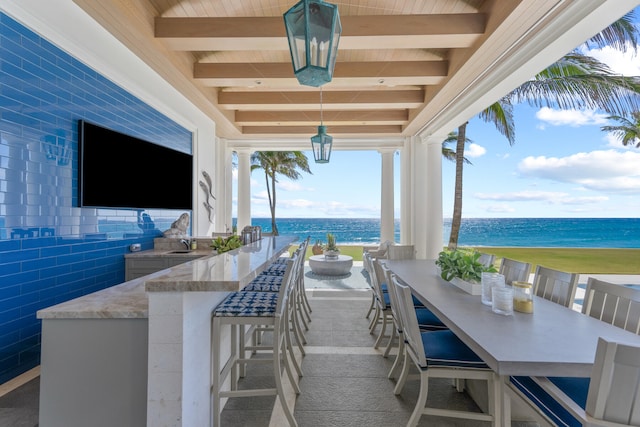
[(50, 250)]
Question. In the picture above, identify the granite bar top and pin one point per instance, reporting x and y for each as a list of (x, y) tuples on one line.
[(229, 271), (225, 272)]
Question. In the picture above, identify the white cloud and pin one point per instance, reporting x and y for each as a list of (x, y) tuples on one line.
[(572, 118), (474, 150), (606, 171), (554, 197), (626, 63), (290, 186)]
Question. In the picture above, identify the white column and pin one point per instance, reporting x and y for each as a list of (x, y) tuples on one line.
[(420, 197), (244, 188), (433, 186), (386, 199), (406, 199)]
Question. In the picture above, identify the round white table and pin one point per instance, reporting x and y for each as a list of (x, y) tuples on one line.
[(331, 267)]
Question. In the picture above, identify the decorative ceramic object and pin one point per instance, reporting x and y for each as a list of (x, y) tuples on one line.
[(317, 248), (473, 288), (178, 227)]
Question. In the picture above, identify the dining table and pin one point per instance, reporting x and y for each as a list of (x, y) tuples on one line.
[(552, 341)]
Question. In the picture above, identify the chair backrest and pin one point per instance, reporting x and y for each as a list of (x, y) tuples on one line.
[(556, 286), (486, 259), (401, 252), (612, 303), (408, 321), (614, 389), (289, 278), (514, 271), (393, 299), (373, 277)]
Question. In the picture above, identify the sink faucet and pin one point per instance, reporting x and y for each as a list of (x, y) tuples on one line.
[(186, 243)]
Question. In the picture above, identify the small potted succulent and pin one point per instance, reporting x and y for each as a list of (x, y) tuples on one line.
[(331, 250)]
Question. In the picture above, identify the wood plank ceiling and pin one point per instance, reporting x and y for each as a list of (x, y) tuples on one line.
[(394, 58)]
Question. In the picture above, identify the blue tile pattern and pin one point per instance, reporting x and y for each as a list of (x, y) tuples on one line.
[(50, 250)]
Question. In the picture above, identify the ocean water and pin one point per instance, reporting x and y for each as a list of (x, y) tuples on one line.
[(520, 232)]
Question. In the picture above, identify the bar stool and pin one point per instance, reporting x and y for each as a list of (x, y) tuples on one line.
[(248, 310)]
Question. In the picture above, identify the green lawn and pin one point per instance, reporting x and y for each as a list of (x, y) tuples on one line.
[(575, 260)]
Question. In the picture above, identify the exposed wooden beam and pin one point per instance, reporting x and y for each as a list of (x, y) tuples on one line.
[(349, 100), (302, 118), (358, 32), (312, 130), (342, 70)]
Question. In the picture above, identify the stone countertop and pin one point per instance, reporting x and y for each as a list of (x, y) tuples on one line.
[(229, 271), (225, 272), (154, 253)]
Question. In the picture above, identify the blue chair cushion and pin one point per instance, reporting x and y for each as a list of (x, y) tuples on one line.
[(262, 287), (265, 278), (576, 388), (248, 304), (428, 321), (444, 348)]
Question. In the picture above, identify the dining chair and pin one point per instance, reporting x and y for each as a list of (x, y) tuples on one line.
[(554, 285), (486, 259), (439, 354), (514, 271), (401, 252), (383, 314), (427, 321), (609, 397), (251, 310), (612, 303), (615, 304)]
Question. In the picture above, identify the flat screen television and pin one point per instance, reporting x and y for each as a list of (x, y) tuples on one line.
[(116, 170)]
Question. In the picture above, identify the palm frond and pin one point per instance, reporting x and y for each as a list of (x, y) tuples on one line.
[(621, 35)]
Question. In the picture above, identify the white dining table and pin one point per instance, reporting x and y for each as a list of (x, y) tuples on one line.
[(553, 341)]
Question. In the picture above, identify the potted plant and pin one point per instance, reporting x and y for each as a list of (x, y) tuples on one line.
[(331, 250), (222, 244), (463, 268)]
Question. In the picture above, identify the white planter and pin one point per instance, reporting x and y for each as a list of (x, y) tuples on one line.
[(472, 288)]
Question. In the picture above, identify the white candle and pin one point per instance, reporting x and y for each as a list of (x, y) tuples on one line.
[(313, 47)]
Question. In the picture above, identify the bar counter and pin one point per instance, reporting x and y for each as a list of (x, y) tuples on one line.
[(138, 353)]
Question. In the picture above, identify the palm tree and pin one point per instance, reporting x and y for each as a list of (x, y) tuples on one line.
[(499, 113), (275, 163), (576, 81), (628, 131)]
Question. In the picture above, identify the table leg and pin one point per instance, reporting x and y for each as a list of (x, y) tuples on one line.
[(505, 402)]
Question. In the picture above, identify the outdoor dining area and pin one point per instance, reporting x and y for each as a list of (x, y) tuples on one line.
[(549, 363)]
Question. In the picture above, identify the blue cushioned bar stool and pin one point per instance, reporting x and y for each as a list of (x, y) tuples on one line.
[(248, 310), (273, 284)]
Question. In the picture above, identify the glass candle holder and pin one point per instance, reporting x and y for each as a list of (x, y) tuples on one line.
[(489, 280), (502, 300), (523, 297)]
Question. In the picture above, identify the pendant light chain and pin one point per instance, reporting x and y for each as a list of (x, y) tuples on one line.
[(321, 122)]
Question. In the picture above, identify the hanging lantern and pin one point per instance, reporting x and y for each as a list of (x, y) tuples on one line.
[(321, 145), (313, 31)]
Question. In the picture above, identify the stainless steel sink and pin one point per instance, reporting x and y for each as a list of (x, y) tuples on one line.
[(182, 251)]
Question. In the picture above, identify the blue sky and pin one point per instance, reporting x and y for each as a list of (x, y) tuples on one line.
[(561, 165)]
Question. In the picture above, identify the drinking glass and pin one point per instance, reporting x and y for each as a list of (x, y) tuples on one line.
[(502, 300), (489, 280)]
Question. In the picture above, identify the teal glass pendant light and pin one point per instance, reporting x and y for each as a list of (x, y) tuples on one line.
[(321, 142), (313, 31)]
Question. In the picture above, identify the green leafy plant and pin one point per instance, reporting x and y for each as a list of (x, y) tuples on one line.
[(331, 243), (462, 263), (225, 244)]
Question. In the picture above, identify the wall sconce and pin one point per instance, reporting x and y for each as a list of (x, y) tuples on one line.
[(313, 31)]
